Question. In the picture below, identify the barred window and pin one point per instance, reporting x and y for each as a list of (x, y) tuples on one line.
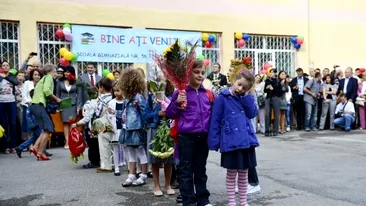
[(49, 46), (277, 49), (213, 53), (9, 43)]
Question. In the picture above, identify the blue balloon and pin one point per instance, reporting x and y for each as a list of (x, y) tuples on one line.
[(211, 38), (297, 46), (294, 40), (246, 37)]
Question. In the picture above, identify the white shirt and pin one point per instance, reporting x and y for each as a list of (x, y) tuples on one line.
[(288, 95), (89, 75), (6, 92), (300, 83), (346, 80), (363, 90), (349, 108)]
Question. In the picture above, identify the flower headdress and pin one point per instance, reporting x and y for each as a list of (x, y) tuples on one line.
[(238, 65)]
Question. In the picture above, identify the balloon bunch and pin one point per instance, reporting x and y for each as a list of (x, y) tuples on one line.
[(266, 69), (67, 56), (297, 41), (241, 38), (65, 32), (206, 62), (208, 39), (106, 73)]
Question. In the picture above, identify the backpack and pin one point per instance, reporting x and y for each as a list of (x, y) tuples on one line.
[(174, 124)]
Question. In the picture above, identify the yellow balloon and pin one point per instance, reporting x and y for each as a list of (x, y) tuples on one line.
[(205, 36), (269, 71), (110, 76), (63, 51), (238, 35), (68, 56)]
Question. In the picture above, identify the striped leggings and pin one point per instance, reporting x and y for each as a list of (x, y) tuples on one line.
[(242, 184)]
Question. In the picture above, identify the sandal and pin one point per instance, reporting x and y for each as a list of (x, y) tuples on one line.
[(129, 181), (140, 181)]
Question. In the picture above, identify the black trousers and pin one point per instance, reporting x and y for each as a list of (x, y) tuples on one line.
[(300, 111), (253, 176), (93, 152), (193, 153)]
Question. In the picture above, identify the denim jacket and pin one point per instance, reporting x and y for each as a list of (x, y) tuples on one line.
[(134, 108), (151, 113)]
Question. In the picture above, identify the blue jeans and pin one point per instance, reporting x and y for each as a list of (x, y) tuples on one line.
[(345, 121), (288, 115), (193, 153), (36, 132), (311, 115), (8, 119)]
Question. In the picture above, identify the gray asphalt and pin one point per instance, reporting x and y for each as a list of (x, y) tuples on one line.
[(307, 169)]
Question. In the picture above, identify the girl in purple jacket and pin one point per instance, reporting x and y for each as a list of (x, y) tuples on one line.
[(231, 131), (193, 125)]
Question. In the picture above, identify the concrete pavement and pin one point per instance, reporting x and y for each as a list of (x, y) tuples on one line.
[(308, 169)]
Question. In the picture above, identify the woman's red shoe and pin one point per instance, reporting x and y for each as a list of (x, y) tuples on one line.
[(42, 157)]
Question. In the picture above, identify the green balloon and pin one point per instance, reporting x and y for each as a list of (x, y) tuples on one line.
[(201, 57), (66, 26), (74, 57), (300, 37), (214, 35), (13, 71), (105, 72)]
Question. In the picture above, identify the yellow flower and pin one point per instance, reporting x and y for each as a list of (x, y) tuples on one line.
[(167, 50)]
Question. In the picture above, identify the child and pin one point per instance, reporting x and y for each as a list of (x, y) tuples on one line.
[(116, 106), (153, 115), (132, 85), (89, 109), (231, 131), (193, 125)]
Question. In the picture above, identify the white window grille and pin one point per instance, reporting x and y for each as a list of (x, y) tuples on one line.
[(49, 46), (277, 49), (9, 43), (213, 53)]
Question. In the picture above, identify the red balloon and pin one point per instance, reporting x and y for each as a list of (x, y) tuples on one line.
[(241, 43), (208, 44), (64, 62), (362, 70), (266, 66), (206, 62), (300, 41), (59, 33)]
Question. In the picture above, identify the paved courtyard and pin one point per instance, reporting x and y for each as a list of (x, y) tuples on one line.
[(296, 169)]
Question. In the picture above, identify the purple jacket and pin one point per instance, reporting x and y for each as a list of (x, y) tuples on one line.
[(231, 128), (196, 117)]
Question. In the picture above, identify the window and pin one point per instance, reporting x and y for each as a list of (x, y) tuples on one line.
[(213, 53), (49, 46), (9, 43), (277, 49)]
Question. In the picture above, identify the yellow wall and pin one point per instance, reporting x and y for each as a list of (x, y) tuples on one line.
[(326, 41)]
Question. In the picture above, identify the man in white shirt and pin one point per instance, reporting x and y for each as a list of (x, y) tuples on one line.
[(346, 110), (91, 78)]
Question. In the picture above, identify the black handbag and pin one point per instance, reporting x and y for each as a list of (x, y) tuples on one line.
[(261, 101), (51, 106)]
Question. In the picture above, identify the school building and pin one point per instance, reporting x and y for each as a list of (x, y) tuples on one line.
[(333, 30)]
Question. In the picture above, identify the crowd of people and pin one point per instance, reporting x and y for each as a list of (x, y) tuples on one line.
[(221, 115)]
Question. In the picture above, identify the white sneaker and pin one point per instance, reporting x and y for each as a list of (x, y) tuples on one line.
[(253, 189), (236, 189), (288, 129)]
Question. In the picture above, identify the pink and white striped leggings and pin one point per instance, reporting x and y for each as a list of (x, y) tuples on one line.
[(242, 185)]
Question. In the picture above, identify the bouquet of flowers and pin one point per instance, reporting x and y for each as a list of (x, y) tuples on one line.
[(92, 91), (76, 143), (177, 63), (2, 131), (163, 145), (238, 65)]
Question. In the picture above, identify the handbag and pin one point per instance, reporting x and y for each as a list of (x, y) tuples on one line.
[(261, 101), (360, 101), (51, 106)]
